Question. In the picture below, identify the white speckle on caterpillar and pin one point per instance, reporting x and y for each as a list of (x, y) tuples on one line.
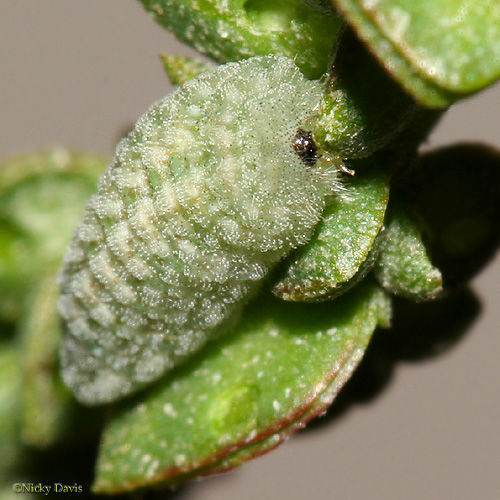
[(202, 199)]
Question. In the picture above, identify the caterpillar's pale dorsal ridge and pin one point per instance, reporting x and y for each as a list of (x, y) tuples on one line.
[(202, 199)]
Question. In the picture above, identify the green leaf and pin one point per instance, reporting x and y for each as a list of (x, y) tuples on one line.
[(363, 109), (316, 408), (180, 69), (403, 266), (46, 402), (439, 50), (455, 196), (10, 405), (343, 240), (237, 29), (49, 413), (242, 395), (42, 196), (14, 275)]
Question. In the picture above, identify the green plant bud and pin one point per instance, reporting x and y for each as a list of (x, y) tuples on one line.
[(204, 196), (180, 69), (363, 109), (438, 50), (403, 266), (231, 30)]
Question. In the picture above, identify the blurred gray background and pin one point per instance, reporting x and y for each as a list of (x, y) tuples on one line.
[(79, 73)]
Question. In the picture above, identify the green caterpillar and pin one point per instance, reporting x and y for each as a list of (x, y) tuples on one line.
[(216, 184)]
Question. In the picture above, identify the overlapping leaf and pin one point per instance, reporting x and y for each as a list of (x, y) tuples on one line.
[(243, 395), (237, 29), (339, 251), (439, 50)]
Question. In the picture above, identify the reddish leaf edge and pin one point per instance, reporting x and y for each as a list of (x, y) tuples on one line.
[(314, 405)]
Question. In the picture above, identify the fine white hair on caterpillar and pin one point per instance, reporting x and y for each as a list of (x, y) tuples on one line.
[(215, 185)]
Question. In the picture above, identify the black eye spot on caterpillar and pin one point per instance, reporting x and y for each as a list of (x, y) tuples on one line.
[(305, 147)]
